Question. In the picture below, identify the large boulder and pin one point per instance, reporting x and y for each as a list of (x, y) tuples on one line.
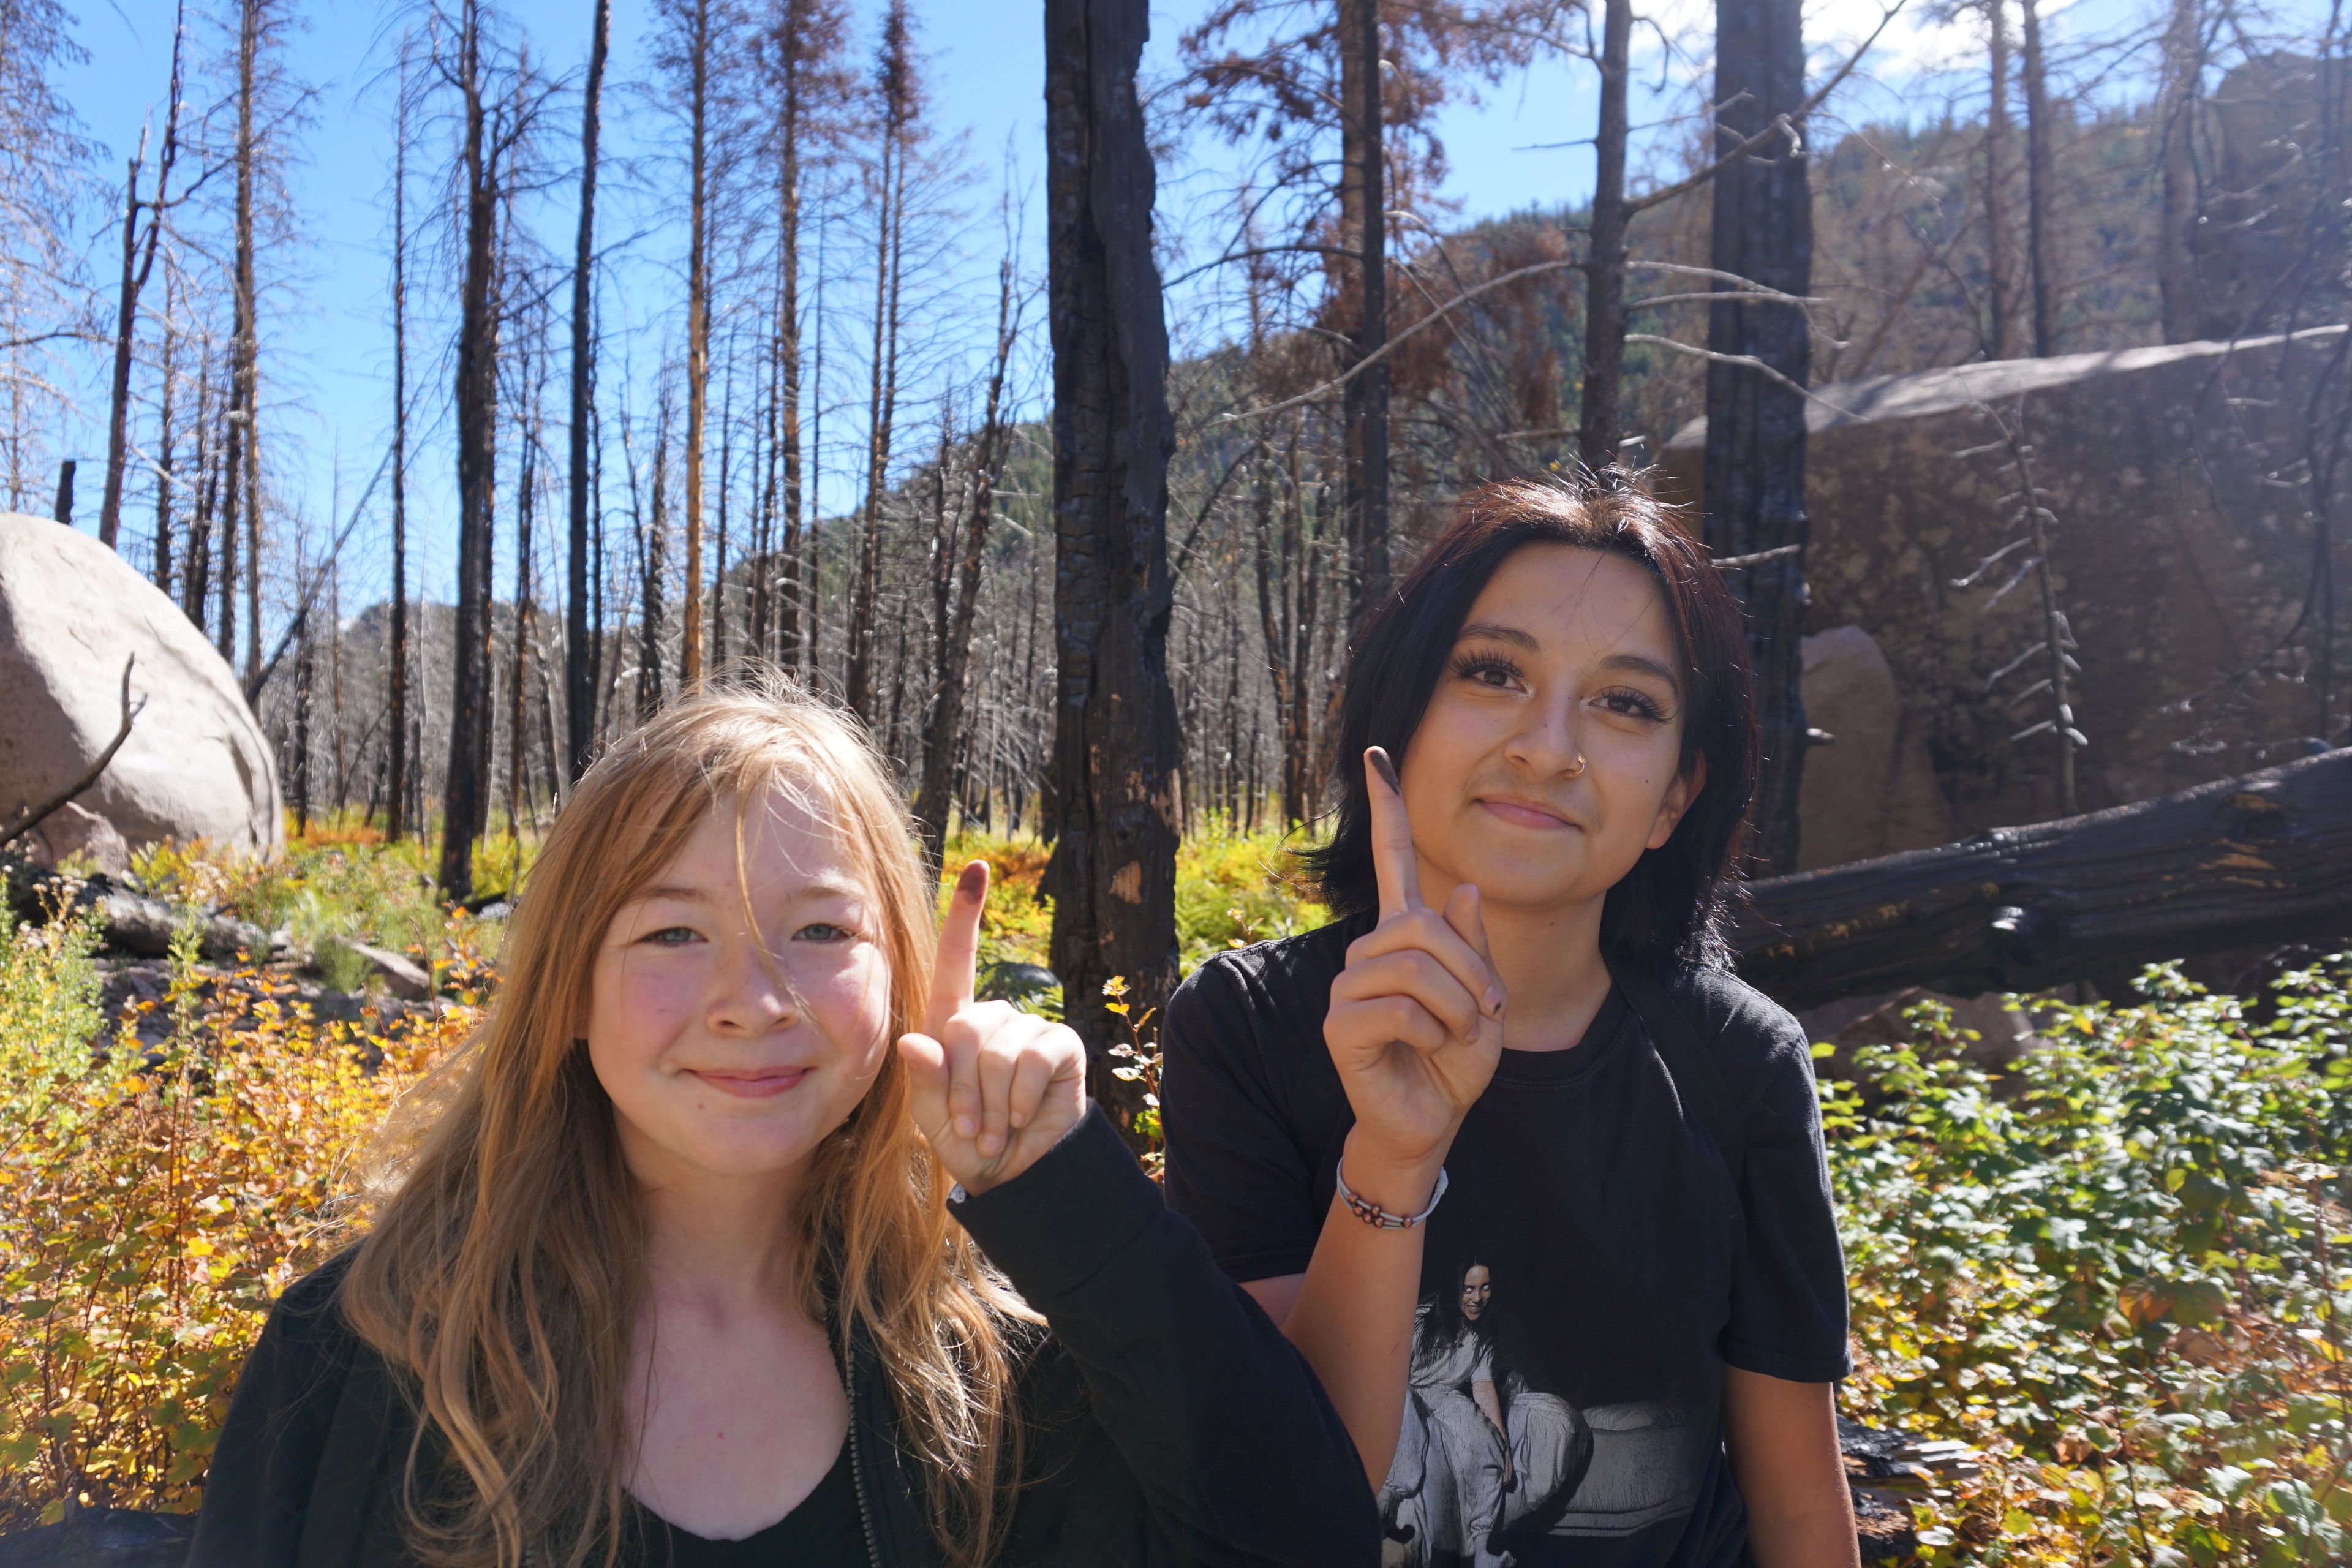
[(1873, 790), (2183, 544), (196, 764)]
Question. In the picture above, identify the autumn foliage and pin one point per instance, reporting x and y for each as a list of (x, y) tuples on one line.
[(152, 1202)]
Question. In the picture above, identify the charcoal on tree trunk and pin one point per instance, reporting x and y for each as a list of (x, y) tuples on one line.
[(1116, 747), (1754, 483), (2262, 859)]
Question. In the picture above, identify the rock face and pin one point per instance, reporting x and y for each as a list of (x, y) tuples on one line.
[(196, 763), (1873, 791), (2183, 548)]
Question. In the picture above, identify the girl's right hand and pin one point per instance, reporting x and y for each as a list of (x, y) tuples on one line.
[(1415, 1025)]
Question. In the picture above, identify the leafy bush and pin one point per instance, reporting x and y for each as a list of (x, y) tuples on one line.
[(2121, 1270), (151, 1205)]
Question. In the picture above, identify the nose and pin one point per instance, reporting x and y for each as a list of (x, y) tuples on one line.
[(1545, 744), (750, 993)]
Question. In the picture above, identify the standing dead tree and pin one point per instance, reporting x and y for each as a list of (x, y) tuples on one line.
[(1755, 461), (2053, 650), (1116, 747), (138, 266), (898, 105), (953, 627), (399, 762), (495, 113), (579, 676)]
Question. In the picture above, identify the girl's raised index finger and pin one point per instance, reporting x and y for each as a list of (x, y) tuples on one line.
[(953, 973), (1393, 862)]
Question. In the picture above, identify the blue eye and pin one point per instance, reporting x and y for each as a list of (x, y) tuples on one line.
[(672, 936), (823, 931)]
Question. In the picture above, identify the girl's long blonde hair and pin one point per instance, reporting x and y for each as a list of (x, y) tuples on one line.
[(502, 1277)]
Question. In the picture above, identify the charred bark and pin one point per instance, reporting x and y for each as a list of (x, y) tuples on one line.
[(1116, 747), (1602, 415), (1754, 463), (475, 398), (2265, 857), (1364, 199), (579, 672)]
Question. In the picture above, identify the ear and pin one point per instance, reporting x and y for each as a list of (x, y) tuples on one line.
[(1680, 794)]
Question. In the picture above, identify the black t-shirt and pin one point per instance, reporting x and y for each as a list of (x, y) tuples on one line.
[(1592, 1268), (823, 1531)]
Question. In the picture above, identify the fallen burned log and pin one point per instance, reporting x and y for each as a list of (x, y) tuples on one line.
[(2265, 858)]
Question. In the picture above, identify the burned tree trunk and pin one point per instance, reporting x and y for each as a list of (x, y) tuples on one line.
[(1363, 199), (2265, 857), (1116, 747), (464, 812), (2039, 134), (397, 819), (952, 659), (579, 676), (1602, 415), (1755, 473)]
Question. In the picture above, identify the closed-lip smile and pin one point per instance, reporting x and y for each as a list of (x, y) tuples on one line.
[(751, 1083), (1523, 812)]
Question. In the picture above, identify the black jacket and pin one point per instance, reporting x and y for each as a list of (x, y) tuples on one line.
[(1168, 1420)]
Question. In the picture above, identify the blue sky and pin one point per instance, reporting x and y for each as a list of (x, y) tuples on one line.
[(326, 336)]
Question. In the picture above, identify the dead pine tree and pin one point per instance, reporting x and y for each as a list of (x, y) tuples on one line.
[(2039, 135), (138, 266), (397, 819), (897, 103), (2054, 649), (809, 89), (1759, 359), (1116, 750), (1363, 217), (488, 132), (167, 381), (691, 44), (196, 578), (951, 657), (579, 669), (1601, 417)]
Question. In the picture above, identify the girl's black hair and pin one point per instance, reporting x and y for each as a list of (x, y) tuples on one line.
[(1670, 907), (1447, 1324)]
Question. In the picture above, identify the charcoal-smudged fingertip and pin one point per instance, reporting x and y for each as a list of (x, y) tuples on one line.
[(974, 878), (1385, 768)]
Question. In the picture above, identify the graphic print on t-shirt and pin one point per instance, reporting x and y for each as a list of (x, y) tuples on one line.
[(1593, 1269), (1486, 1468)]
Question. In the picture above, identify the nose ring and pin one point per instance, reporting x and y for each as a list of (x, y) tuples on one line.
[(1578, 768)]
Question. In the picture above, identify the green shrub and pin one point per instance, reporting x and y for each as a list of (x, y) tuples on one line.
[(2122, 1272)]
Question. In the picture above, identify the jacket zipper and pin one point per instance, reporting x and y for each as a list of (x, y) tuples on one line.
[(857, 1470)]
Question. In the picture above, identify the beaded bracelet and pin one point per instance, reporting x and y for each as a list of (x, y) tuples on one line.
[(1378, 1218)]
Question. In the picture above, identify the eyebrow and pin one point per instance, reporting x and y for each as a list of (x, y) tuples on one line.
[(1633, 662), (1493, 633), (818, 887), (1640, 665)]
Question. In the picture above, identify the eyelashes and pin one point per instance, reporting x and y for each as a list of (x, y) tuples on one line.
[(1494, 672), (1480, 666)]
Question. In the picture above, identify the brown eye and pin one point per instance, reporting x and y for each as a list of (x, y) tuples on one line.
[(1632, 705)]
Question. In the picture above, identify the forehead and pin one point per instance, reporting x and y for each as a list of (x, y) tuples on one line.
[(778, 833), (1570, 598)]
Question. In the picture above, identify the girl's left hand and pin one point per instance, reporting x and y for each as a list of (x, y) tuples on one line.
[(993, 1087)]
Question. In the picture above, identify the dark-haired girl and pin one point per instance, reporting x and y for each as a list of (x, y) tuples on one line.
[(1522, 1042)]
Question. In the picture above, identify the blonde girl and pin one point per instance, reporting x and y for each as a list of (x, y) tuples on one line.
[(676, 1276)]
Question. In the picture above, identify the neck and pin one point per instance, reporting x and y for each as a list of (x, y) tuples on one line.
[(725, 1241), (1549, 957)]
